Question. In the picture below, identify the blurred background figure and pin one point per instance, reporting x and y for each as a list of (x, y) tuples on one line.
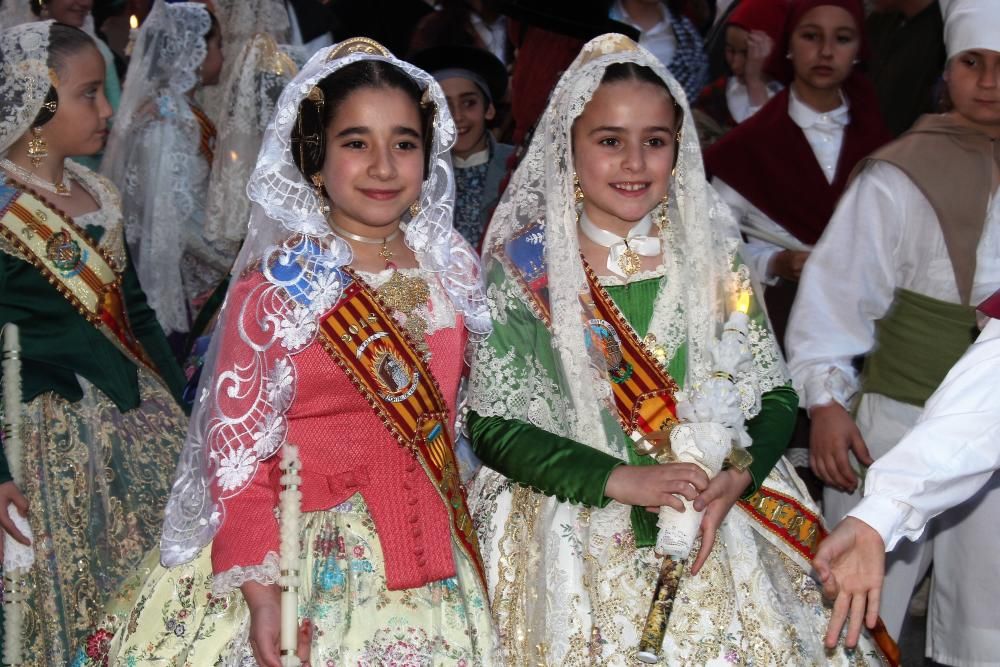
[(476, 23), (751, 32), (239, 21), (907, 41), (670, 35), (551, 33), (261, 72), (472, 79), (160, 154)]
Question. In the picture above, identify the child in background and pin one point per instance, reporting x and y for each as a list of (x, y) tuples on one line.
[(473, 80), (752, 30)]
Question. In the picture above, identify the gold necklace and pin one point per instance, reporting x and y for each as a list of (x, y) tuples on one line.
[(62, 188), (402, 293), (384, 252)]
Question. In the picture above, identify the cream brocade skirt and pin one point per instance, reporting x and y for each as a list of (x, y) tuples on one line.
[(170, 616), (96, 480), (569, 588)]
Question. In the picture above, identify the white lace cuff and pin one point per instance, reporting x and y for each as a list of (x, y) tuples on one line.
[(18, 558), (267, 572), (834, 385)]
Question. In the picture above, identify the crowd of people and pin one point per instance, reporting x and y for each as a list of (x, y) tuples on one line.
[(495, 332)]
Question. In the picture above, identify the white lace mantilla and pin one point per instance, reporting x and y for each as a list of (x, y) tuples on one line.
[(290, 246)]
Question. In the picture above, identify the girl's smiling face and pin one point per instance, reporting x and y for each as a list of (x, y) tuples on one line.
[(623, 152)]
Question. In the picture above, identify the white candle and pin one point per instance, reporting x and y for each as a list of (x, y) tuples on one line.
[(291, 507), (14, 552)]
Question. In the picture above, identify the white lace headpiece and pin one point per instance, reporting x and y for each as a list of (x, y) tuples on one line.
[(260, 72), (291, 245), (699, 243), (24, 78), (168, 51), (240, 21)]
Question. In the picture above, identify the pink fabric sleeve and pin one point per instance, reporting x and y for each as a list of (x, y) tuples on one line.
[(249, 529)]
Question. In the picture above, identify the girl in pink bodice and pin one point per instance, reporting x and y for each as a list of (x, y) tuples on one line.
[(343, 334)]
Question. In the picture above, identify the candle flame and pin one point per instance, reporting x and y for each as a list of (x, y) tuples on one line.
[(743, 301), (133, 21), (234, 156)]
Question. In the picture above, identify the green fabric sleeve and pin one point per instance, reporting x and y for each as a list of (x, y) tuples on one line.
[(550, 464), (147, 329), (208, 311), (770, 431)]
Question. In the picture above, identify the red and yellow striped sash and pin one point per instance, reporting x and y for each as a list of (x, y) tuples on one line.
[(206, 142), (72, 263), (643, 391), (365, 340)]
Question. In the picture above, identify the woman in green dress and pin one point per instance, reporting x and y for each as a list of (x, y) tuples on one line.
[(611, 269), (101, 429)]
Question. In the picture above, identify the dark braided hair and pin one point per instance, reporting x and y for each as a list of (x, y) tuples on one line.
[(65, 41), (317, 110)]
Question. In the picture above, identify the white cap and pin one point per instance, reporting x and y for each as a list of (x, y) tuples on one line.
[(971, 24)]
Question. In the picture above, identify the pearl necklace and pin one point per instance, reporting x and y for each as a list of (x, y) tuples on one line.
[(62, 188)]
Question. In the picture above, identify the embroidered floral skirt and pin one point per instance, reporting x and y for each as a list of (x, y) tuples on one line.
[(96, 480), (170, 617)]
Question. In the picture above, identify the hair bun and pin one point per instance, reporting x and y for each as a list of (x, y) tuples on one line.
[(309, 134)]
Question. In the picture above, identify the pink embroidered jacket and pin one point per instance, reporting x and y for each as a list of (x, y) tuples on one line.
[(345, 449)]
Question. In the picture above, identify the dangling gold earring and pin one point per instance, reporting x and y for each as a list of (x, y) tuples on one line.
[(577, 190), (661, 215), (415, 209), (38, 148), (317, 181)]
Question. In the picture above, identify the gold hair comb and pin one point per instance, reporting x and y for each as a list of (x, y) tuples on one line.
[(358, 45)]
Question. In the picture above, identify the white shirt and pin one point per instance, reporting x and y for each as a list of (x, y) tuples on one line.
[(825, 134), (948, 456), (824, 131), (494, 35), (658, 40), (884, 235), (738, 98)]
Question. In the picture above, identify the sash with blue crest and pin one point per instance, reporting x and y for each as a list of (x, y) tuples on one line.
[(643, 391), (72, 263)]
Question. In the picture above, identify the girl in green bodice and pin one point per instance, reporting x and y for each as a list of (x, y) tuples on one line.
[(611, 268), (100, 428)]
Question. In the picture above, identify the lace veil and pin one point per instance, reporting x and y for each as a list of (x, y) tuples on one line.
[(291, 246), (240, 21), (261, 72), (700, 242), (153, 153), (24, 78), (559, 571)]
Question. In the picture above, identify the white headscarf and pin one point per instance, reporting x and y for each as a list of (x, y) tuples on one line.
[(261, 71), (240, 21), (290, 243), (153, 154), (24, 78), (971, 24)]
